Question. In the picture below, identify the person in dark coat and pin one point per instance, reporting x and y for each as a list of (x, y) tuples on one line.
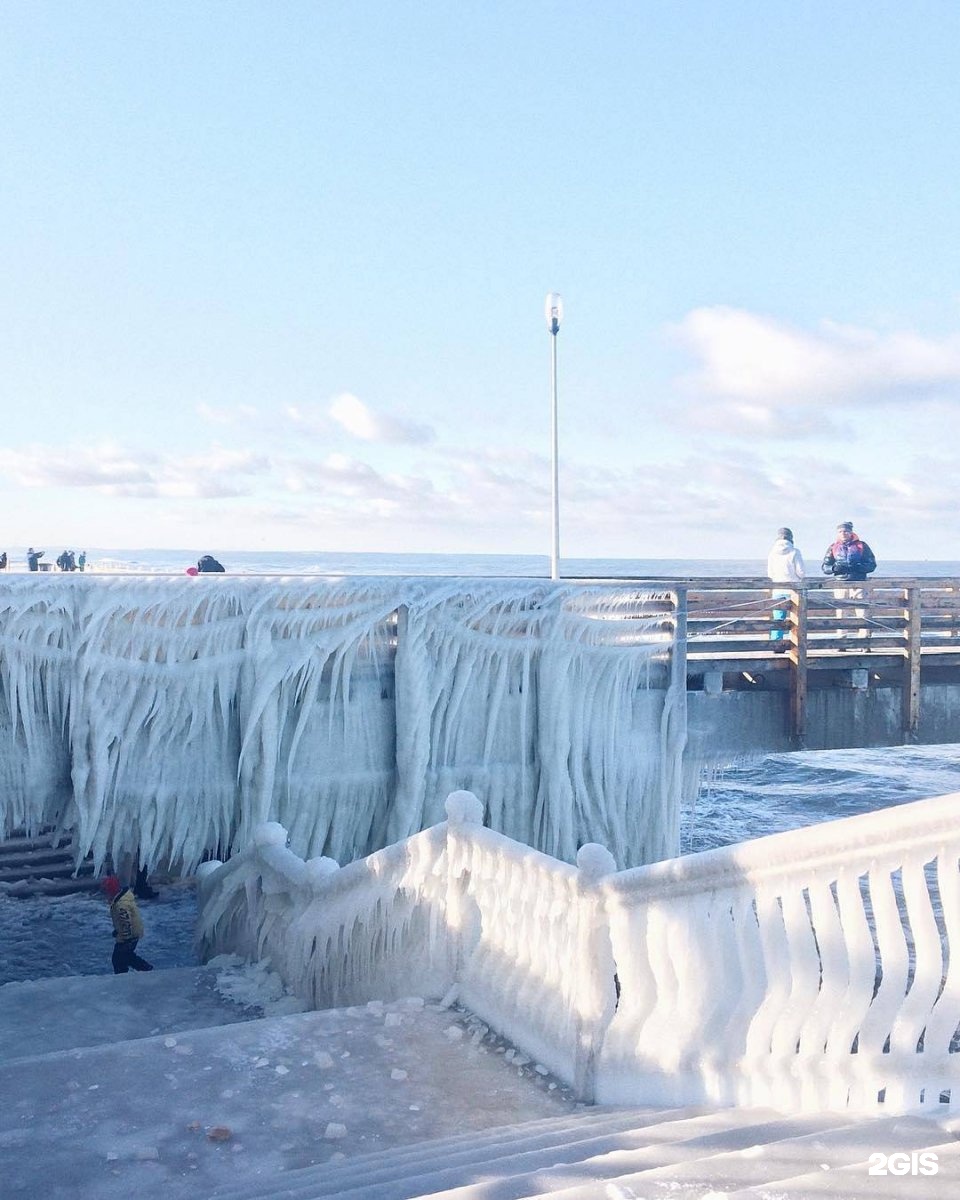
[(33, 559), (127, 927), (848, 557), (208, 565)]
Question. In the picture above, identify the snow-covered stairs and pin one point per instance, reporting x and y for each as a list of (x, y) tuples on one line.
[(42, 864), (157, 1085), (619, 1154), (160, 1086)]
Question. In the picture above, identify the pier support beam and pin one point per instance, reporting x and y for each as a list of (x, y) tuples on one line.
[(911, 665), (798, 662)]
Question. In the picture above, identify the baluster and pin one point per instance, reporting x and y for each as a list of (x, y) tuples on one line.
[(762, 1071), (821, 1086), (862, 972)]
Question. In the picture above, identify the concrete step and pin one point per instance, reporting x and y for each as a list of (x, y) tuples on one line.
[(43, 853), (48, 1016), (180, 1114), (780, 1153), (59, 868), (661, 1141), (40, 839), (25, 888), (623, 1153), (43, 864), (863, 1180), (557, 1139)]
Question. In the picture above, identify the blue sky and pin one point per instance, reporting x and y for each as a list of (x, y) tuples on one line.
[(273, 275)]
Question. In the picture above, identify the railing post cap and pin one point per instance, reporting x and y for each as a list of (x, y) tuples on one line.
[(595, 861), (316, 870), (463, 808), (270, 833)]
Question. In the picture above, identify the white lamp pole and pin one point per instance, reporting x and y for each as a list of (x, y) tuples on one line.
[(553, 311)]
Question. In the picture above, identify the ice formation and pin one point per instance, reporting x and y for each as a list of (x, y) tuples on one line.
[(814, 969), (174, 716)]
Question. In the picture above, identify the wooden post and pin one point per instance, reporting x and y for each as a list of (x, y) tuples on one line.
[(911, 666), (798, 661)]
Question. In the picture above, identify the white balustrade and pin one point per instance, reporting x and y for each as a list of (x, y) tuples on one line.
[(818, 969), (808, 970)]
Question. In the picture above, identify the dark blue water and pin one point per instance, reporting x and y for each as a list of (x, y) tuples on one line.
[(787, 791)]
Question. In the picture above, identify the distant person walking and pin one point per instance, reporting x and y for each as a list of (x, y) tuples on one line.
[(82, 559), (849, 558), (3, 561), (33, 559), (784, 565), (127, 927)]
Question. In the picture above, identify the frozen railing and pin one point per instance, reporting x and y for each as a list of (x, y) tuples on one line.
[(535, 960), (455, 911), (813, 969), (336, 936), (817, 969)]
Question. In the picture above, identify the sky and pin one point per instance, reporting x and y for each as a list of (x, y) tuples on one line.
[(273, 275)]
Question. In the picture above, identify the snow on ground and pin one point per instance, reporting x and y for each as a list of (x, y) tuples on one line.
[(169, 1084), (43, 937), (176, 1115)]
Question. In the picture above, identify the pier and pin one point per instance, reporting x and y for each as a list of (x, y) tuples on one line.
[(819, 665)]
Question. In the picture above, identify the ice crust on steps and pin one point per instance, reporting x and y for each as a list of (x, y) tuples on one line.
[(554, 1138), (131, 1119), (854, 1182), (729, 1155), (47, 1016), (675, 1138), (346, 710)]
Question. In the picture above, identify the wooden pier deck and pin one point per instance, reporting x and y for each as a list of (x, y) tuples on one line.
[(748, 634)]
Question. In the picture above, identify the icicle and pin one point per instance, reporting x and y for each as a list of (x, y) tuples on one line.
[(168, 719)]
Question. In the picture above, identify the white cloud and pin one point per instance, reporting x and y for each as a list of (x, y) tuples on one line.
[(345, 413), (741, 419), (115, 471), (757, 360), (360, 420)]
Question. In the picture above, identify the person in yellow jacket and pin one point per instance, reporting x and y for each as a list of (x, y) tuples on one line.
[(127, 927)]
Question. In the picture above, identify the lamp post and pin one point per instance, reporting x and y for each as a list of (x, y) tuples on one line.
[(553, 311)]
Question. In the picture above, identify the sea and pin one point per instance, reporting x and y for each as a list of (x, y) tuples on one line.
[(536, 566), (51, 936)]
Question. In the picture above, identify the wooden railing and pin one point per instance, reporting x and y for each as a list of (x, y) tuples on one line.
[(735, 626)]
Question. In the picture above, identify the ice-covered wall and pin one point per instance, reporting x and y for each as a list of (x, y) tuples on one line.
[(178, 714)]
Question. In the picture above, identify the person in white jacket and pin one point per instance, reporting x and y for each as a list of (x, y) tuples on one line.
[(784, 565), (785, 562)]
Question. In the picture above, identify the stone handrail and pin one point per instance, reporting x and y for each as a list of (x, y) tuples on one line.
[(336, 936), (816, 969), (455, 912), (811, 969)]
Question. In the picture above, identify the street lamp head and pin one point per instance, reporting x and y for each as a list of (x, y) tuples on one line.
[(553, 311)]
